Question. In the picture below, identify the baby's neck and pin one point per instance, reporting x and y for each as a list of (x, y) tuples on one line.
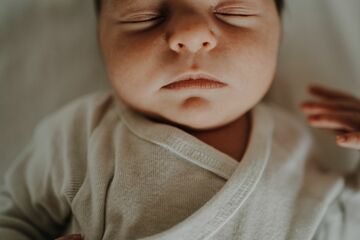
[(231, 139)]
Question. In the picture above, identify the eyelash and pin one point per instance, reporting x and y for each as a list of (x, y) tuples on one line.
[(232, 14), (162, 17), (145, 20), (234, 11)]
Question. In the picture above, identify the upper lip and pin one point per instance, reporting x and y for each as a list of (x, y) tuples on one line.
[(194, 75)]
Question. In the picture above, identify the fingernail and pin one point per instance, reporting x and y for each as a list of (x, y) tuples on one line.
[(341, 138), (314, 118)]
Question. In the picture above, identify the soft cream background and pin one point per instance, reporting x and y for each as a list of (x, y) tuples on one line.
[(48, 56)]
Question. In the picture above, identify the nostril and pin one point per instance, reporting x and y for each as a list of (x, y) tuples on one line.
[(206, 44), (181, 46)]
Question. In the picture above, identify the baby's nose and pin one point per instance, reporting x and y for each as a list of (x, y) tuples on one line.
[(191, 33)]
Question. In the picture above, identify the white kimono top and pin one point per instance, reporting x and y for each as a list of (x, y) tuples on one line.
[(98, 168)]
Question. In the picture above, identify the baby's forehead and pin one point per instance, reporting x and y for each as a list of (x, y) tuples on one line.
[(140, 3), (128, 3)]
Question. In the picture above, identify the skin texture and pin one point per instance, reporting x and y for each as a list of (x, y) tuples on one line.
[(335, 111), (142, 55)]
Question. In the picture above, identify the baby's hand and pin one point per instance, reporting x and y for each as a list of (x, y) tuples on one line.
[(70, 237), (335, 111)]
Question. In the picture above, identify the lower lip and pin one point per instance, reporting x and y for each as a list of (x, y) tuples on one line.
[(195, 83)]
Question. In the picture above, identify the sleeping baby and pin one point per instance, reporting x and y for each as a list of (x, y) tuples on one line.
[(183, 147)]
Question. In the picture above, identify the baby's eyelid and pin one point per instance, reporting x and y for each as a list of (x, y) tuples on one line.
[(147, 17), (235, 11), (234, 14)]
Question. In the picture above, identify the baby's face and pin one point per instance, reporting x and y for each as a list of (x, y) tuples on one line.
[(148, 44)]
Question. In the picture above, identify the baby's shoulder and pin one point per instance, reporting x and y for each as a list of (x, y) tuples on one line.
[(74, 122), (83, 114), (60, 145)]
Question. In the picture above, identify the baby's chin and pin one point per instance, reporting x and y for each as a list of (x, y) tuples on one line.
[(189, 124), (193, 112), (197, 117)]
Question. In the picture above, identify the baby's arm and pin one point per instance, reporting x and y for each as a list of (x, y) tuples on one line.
[(337, 111), (33, 203)]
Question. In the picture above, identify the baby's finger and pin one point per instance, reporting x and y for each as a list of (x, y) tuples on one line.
[(331, 94), (312, 107), (350, 140), (343, 121), (70, 237)]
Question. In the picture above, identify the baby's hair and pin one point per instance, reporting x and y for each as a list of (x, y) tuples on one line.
[(279, 4)]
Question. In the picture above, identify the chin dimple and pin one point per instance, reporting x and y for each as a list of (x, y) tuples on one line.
[(195, 102)]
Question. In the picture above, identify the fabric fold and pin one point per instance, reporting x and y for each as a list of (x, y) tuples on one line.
[(242, 177)]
